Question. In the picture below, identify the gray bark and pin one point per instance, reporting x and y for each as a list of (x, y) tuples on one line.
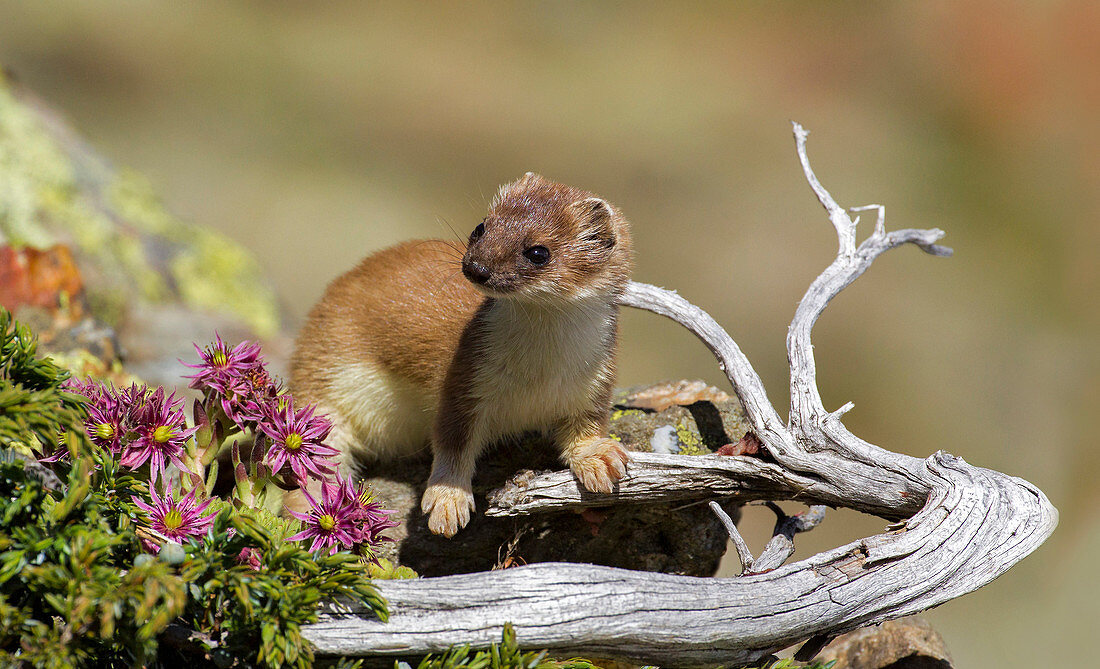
[(960, 526)]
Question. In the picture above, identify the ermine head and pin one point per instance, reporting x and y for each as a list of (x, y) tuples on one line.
[(547, 241)]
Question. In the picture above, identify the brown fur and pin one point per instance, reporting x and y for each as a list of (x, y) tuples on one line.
[(404, 339)]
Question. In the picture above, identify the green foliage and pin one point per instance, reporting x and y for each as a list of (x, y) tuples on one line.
[(791, 664), (258, 614), (65, 599), (34, 410), (77, 590), (505, 655)]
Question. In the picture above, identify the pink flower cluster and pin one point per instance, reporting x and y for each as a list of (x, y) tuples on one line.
[(137, 424), (236, 381), (140, 426), (345, 517)]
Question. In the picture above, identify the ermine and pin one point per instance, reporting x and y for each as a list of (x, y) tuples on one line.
[(405, 349)]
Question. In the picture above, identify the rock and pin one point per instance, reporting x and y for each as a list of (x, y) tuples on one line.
[(672, 538), (61, 202), (906, 643), (687, 417)]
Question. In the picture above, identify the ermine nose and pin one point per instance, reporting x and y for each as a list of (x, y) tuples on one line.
[(475, 271)]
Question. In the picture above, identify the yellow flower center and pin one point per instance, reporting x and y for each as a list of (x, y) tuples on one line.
[(172, 520), (105, 431), (293, 441), (326, 522), (163, 434), (218, 358)]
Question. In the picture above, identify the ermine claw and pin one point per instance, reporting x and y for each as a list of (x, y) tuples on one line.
[(599, 464), (448, 508)]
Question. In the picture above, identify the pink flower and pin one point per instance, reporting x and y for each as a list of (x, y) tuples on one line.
[(331, 523), (60, 453), (161, 430), (247, 396), (176, 519), (236, 379), (347, 516), (109, 414), (106, 422), (221, 365), (373, 519), (86, 387), (296, 440)]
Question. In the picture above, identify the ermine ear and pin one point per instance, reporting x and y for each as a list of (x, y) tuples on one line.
[(595, 218)]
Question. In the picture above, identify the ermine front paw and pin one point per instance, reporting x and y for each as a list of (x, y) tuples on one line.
[(448, 508), (598, 463)]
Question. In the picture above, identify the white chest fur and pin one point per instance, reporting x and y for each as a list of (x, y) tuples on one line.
[(541, 363)]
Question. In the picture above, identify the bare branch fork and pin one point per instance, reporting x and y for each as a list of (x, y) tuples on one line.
[(961, 526)]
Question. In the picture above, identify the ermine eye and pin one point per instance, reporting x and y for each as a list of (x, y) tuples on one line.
[(477, 233), (539, 255)]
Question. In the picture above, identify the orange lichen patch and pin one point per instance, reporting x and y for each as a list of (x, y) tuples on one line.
[(37, 278), (676, 393), (749, 445)]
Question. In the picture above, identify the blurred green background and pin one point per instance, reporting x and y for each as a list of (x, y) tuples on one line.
[(315, 133)]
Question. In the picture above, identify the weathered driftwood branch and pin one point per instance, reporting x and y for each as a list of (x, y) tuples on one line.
[(781, 545), (970, 525), (739, 544)]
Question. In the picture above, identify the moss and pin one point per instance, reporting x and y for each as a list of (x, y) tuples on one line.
[(134, 198), (32, 170)]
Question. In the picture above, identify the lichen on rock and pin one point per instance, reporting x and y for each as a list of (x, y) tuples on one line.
[(54, 189), (684, 417)]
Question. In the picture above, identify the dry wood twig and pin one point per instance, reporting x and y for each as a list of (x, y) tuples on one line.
[(962, 526)]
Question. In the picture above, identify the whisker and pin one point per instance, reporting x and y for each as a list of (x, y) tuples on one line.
[(450, 252), (444, 222), (459, 249)]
